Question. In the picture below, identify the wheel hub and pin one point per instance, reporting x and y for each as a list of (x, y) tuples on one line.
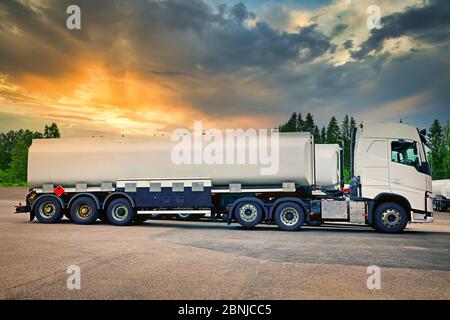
[(248, 212), (120, 212), (48, 209), (391, 218), (84, 211), (289, 216)]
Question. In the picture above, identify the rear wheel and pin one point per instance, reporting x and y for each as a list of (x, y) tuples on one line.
[(48, 210), (390, 217), (248, 214), (289, 216), (120, 212), (84, 210)]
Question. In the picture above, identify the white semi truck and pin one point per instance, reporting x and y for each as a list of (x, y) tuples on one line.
[(125, 180), (441, 190)]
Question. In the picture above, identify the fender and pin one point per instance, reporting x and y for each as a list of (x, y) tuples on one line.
[(393, 195), (47, 195), (288, 199), (133, 204), (238, 201), (93, 196)]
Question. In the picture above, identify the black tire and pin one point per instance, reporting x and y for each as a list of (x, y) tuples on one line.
[(120, 212), (48, 210), (189, 217), (390, 217), (289, 216), (83, 210), (248, 214), (140, 218)]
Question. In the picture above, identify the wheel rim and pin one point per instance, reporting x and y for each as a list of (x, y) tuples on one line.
[(289, 216), (184, 215), (47, 209), (248, 212), (391, 218), (84, 211), (120, 212)]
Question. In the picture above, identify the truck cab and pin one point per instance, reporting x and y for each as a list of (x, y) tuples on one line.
[(390, 166)]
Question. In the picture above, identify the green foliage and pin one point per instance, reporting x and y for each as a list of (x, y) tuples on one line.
[(14, 147), (333, 131), (439, 155)]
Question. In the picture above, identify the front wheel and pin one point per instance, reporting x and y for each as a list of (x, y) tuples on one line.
[(120, 212), (289, 216), (390, 218)]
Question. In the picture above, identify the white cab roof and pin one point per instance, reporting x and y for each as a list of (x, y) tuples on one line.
[(394, 130)]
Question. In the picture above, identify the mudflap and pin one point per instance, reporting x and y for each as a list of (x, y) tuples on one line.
[(32, 215)]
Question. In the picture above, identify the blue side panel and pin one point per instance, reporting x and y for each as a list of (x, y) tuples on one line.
[(167, 198)]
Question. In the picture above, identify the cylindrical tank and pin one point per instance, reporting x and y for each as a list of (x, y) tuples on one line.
[(442, 188), (328, 164), (68, 161)]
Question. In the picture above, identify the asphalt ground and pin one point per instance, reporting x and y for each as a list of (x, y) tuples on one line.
[(168, 259)]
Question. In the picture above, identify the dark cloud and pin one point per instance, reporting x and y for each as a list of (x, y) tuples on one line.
[(348, 44), (187, 35), (338, 29), (429, 23)]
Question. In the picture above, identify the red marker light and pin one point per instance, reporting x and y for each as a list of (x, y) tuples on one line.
[(59, 190)]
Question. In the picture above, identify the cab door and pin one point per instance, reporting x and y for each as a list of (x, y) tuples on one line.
[(405, 179)]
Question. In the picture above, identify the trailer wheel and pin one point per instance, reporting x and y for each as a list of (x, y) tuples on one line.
[(248, 214), (84, 210), (289, 216), (48, 210), (120, 212), (390, 218)]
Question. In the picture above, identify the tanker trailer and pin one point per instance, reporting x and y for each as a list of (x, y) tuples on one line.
[(243, 178), (441, 190)]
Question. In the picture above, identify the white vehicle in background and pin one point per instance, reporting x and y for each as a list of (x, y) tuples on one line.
[(125, 180), (441, 190)]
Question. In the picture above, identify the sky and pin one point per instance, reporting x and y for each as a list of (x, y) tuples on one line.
[(147, 67)]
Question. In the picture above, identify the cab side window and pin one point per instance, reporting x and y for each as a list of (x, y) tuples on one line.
[(405, 152)]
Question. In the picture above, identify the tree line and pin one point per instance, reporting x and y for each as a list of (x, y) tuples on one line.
[(14, 147), (438, 140)]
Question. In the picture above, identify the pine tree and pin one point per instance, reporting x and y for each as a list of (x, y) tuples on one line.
[(316, 133), (309, 123), (300, 123), (333, 133), (447, 151), (323, 135), (437, 150), (346, 137), (291, 125)]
